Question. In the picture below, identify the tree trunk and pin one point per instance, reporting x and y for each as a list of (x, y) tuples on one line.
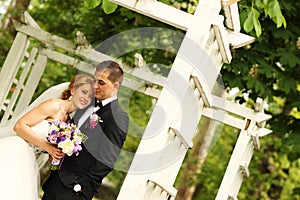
[(188, 178), (14, 12), (7, 30)]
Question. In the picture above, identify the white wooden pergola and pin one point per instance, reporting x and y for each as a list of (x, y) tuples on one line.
[(185, 97)]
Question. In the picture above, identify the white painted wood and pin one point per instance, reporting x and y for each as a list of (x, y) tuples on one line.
[(27, 19), (31, 83), (181, 138), (224, 117), (238, 109), (233, 177), (221, 33), (232, 15), (158, 11), (68, 60), (203, 92), (141, 87), (183, 20), (237, 40), (139, 60), (150, 188), (241, 157), (181, 111), (11, 63), (164, 188), (19, 86)]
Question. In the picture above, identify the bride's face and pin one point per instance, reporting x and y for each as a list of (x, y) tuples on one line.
[(82, 96)]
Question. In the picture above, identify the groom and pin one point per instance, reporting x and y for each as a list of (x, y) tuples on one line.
[(106, 126)]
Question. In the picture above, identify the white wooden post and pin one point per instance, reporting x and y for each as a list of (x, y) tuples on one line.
[(237, 168), (174, 120)]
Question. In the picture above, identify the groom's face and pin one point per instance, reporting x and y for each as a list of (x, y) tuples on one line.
[(103, 88)]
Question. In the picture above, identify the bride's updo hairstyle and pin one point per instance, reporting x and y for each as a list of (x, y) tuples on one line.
[(76, 82)]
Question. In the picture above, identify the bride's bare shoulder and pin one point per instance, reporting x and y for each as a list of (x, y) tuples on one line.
[(52, 103)]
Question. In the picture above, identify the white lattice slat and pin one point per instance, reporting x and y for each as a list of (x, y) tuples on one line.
[(20, 86), (32, 83), (223, 43), (164, 191), (11, 64)]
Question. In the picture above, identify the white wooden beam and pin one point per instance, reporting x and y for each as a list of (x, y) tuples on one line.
[(237, 40), (183, 20), (27, 19), (159, 11), (59, 42), (239, 110)]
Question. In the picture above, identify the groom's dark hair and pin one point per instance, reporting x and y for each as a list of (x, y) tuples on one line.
[(115, 71)]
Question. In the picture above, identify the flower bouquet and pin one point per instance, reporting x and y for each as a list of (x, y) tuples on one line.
[(67, 137)]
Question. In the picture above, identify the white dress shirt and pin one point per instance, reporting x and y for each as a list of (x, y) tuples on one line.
[(90, 110)]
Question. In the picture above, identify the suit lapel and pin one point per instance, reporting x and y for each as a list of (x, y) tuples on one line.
[(98, 143)]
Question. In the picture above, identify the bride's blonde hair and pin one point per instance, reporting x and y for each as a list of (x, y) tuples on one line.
[(76, 82)]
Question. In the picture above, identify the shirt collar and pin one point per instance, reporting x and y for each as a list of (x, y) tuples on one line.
[(108, 100)]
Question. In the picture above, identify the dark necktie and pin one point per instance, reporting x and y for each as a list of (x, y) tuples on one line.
[(98, 103)]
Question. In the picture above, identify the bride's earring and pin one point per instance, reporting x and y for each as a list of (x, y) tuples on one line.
[(70, 98)]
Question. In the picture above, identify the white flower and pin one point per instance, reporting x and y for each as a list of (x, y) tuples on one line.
[(67, 146)]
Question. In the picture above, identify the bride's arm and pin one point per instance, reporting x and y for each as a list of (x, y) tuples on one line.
[(23, 126)]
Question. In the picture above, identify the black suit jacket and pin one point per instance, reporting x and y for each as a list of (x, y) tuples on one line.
[(99, 152)]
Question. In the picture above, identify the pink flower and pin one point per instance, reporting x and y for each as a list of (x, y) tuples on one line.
[(94, 119)]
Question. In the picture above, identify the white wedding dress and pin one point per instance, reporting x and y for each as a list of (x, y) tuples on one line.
[(19, 171)]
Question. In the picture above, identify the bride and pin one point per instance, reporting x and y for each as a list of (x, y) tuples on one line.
[(19, 173)]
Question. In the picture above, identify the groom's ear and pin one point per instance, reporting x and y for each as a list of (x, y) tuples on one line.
[(116, 86)]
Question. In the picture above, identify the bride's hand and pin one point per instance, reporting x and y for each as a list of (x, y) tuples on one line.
[(55, 152)]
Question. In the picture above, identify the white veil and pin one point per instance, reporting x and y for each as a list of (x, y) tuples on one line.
[(6, 128)]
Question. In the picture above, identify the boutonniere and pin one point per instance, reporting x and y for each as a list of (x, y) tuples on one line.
[(94, 120)]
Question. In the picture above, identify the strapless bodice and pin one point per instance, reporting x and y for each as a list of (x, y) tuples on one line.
[(41, 129)]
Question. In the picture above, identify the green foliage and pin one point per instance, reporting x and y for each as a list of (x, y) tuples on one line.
[(5, 43), (250, 16), (107, 6), (270, 67), (214, 167), (252, 22), (92, 3), (274, 12)]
